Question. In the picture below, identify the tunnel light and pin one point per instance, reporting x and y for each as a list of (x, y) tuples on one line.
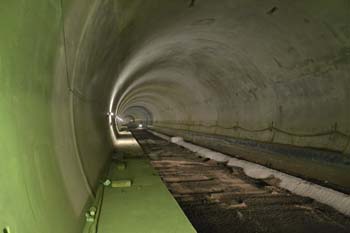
[(119, 118), (122, 142), (140, 126), (110, 114)]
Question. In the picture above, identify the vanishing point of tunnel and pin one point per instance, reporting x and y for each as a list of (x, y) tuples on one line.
[(174, 116)]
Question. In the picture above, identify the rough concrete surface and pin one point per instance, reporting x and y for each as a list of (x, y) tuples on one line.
[(220, 198), (272, 71)]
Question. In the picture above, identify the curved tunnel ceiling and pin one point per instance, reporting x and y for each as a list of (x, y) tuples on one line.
[(137, 114), (275, 71), (247, 63)]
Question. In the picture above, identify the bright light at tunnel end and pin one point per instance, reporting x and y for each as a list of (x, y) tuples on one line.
[(119, 118)]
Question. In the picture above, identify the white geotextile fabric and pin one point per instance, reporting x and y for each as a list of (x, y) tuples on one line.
[(335, 199)]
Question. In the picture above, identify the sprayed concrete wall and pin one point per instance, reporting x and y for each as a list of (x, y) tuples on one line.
[(268, 71), (263, 70), (54, 139)]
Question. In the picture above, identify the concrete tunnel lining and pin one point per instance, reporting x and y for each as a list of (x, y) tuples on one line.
[(141, 114), (275, 113), (65, 64)]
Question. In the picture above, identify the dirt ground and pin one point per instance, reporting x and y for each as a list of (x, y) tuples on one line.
[(221, 199)]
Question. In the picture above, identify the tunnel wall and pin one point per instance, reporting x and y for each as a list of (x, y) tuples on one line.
[(54, 141), (140, 115), (257, 68), (267, 71), (329, 169)]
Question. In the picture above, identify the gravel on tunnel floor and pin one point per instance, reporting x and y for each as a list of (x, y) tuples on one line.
[(221, 199)]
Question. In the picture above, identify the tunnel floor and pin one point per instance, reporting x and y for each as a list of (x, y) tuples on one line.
[(221, 199), (137, 200)]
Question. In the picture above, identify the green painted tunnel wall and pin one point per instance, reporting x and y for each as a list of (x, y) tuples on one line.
[(54, 141), (65, 64)]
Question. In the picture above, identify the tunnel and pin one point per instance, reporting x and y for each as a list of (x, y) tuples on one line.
[(264, 82)]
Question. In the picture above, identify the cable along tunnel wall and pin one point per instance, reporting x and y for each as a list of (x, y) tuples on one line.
[(204, 72), (249, 73)]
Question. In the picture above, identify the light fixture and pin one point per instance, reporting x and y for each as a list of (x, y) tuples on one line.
[(119, 118)]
